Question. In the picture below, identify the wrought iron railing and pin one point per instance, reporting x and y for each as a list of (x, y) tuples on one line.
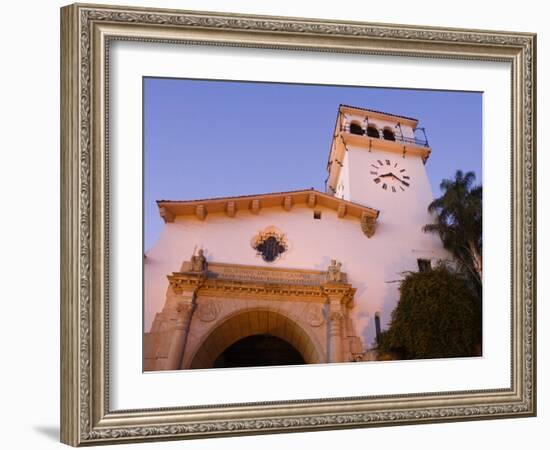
[(397, 137)]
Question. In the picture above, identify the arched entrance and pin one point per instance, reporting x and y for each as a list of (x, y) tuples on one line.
[(208, 310), (256, 338)]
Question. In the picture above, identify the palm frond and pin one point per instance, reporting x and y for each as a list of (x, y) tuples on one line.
[(458, 219)]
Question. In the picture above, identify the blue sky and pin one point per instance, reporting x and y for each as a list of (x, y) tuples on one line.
[(206, 138)]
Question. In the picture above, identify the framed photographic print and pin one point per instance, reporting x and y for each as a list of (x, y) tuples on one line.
[(278, 224)]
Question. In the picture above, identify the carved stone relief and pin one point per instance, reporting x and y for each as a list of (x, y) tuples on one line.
[(368, 225), (315, 316), (208, 310)]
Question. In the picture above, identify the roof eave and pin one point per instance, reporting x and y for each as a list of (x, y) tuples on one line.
[(170, 209)]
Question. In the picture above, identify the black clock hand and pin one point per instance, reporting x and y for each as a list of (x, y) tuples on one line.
[(400, 180)]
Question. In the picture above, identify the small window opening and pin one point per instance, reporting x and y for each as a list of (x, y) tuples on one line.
[(270, 248), (317, 215), (355, 128), (389, 135), (424, 265), (373, 132)]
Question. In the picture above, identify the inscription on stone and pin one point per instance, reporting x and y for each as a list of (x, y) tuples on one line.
[(233, 273)]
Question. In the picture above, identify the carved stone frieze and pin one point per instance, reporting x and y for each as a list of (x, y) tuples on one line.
[(234, 279), (278, 291), (344, 293), (230, 280), (265, 275), (186, 282)]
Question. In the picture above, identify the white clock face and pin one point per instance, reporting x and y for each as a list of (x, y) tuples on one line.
[(390, 176)]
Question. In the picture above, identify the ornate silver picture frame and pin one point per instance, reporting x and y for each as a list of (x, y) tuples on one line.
[(87, 32)]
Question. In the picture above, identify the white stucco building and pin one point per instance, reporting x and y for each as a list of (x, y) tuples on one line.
[(315, 271)]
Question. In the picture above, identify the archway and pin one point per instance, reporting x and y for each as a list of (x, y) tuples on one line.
[(239, 341), (372, 132), (355, 128), (389, 135)]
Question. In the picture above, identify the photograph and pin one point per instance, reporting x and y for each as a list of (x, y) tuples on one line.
[(283, 223), (288, 224)]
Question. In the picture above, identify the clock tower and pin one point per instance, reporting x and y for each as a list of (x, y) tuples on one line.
[(378, 160)]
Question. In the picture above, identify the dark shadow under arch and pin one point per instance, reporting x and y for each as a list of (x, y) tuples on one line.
[(355, 128), (372, 132), (259, 350), (389, 135)]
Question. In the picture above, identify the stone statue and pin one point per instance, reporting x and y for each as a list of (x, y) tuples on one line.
[(198, 262), (334, 272)]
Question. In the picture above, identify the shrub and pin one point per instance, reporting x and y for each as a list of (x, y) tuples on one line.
[(437, 316)]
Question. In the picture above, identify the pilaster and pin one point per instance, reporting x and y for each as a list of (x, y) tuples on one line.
[(339, 296), (165, 344)]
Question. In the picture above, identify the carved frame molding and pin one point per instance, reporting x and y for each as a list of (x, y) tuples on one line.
[(86, 32)]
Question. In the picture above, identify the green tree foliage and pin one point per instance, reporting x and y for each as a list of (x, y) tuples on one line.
[(437, 316), (458, 221)]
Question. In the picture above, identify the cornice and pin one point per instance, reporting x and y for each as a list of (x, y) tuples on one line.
[(364, 112), (170, 209), (209, 283)]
